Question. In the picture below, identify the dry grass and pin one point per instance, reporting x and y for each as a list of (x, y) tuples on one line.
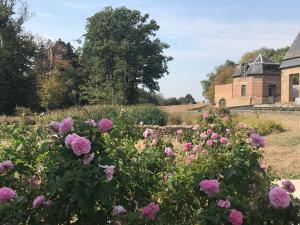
[(183, 108)]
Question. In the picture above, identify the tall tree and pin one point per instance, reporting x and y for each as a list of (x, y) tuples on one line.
[(122, 55), (17, 50)]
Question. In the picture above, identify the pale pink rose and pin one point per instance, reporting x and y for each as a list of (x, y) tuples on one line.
[(214, 136), (154, 141), (6, 194), (263, 166), (210, 142), (38, 201), (6, 165), (88, 159), (81, 146), (105, 125), (109, 171), (169, 151), (91, 123), (179, 132), (210, 187), (54, 125), (224, 203), (69, 139), (187, 146), (196, 148), (279, 198), (209, 132), (203, 135), (223, 140), (288, 185), (205, 115), (118, 210), (65, 126), (257, 141), (150, 210), (148, 133), (236, 217)]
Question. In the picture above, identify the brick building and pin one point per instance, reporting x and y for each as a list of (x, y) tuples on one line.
[(263, 81)]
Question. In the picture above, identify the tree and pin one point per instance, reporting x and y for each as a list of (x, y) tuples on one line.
[(17, 50), (189, 99), (277, 55), (121, 55)]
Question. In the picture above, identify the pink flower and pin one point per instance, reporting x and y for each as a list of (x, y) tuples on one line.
[(154, 141), (210, 187), (38, 201), (236, 217), (179, 132), (148, 133), (195, 127), (34, 181), (257, 141), (205, 115), (203, 135), (263, 166), (118, 210), (6, 165), (224, 204), (69, 139), (88, 159), (210, 142), (150, 210), (288, 185), (65, 126), (91, 123), (55, 126), (81, 146), (223, 140), (109, 171), (279, 198), (209, 132), (105, 125), (196, 148), (169, 151), (187, 146), (6, 194), (214, 136)]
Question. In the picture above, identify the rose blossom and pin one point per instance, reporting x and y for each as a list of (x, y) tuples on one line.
[(179, 132), (203, 135), (279, 198), (187, 146), (223, 140), (118, 210), (209, 132), (105, 125), (210, 142), (150, 210), (6, 165), (38, 201), (81, 146), (88, 159), (148, 133), (214, 136), (224, 204), (210, 187), (236, 217), (169, 151), (54, 125), (288, 185), (91, 123), (6, 194), (205, 115), (109, 171), (69, 139), (257, 141), (196, 148), (65, 126)]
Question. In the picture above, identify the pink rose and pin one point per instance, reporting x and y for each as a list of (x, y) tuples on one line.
[(109, 171), (210, 142), (179, 132), (203, 135), (214, 136), (81, 146), (187, 146), (279, 198), (209, 132), (150, 210), (38, 201), (224, 203), (169, 151), (223, 140), (205, 115), (288, 185), (65, 126), (55, 126), (105, 125), (210, 187), (6, 194), (88, 159), (236, 217), (69, 139), (118, 210), (6, 165), (148, 133)]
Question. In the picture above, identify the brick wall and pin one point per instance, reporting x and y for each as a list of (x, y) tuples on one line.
[(286, 83), (223, 91)]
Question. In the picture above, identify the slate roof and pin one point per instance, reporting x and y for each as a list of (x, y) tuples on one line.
[(292, 57), (258, 66)]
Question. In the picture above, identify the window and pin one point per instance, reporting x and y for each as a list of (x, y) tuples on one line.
[(272, 90), (243, 90)]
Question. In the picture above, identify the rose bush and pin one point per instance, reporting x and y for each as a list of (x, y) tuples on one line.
[(104, 171)]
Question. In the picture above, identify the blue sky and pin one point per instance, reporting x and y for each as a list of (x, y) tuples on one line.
[(202, 34)]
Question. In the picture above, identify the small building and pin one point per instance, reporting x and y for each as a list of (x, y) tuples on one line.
[(255, 82), (290, 70)]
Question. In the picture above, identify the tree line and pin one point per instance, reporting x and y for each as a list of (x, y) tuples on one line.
[(119, 61), (222, 74)]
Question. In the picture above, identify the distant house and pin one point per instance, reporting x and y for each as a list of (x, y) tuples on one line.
[(263, 81)]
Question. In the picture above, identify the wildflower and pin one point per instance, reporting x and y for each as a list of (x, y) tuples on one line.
[(109, 171), (81, 146), (118, 210), (288, 185), (236, 217), (205, 115), (150, 210), (88, 159), (223, 140), (210, 142), (279, 198), (257, 141), (69, 139), (54, 125), (6, 165), (105, 125), (187, 146), (210, 187), (169, 151), (38, 201), (179, 132), (65, 126), (214, 136), (6, 194), (224, 204), (91, 123)]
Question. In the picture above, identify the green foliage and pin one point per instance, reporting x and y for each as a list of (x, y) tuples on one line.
[(150, 115), (120, 55)]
